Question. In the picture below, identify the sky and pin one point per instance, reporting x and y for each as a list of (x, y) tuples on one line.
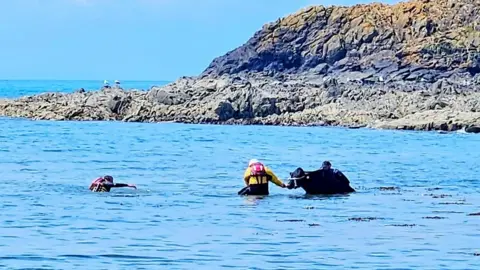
[(129, 39)]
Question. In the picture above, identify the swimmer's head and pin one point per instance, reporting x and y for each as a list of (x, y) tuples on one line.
[(108, 178)]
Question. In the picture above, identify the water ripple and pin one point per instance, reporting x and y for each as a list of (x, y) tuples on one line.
[(415, 194)]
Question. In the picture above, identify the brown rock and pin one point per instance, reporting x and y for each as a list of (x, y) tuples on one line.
[(434, 35)]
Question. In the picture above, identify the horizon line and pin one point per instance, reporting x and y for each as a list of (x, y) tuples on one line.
[(100, 80)]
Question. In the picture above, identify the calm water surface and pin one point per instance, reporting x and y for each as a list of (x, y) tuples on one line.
[(186, 214), (19, 88)]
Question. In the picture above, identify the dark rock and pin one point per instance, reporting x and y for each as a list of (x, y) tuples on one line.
[(117, 104), (225, 111), (320, 69), (473, 129), (330, 82)]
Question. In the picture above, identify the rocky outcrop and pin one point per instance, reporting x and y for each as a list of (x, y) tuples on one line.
[(444, 105), (422, 40), (410, 66)]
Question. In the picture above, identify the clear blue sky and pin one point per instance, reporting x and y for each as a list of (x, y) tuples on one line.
[(128, 39)]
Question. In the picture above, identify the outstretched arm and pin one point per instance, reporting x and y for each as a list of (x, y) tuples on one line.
[(275, 179), (122, 185)]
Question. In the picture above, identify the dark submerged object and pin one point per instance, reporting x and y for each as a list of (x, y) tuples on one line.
[(253, 190), (473, 129), (322, 181)]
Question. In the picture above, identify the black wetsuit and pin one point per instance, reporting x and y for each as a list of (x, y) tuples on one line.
[(106, 187)]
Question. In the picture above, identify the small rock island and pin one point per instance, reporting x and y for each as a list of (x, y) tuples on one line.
[(413, 65)]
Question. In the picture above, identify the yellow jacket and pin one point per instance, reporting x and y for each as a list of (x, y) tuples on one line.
[(253, 180)]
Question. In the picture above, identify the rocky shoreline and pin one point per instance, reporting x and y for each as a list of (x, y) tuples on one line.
[(410, 66), (255, 100)]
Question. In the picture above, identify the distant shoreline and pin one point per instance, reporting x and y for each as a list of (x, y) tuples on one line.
[(230, 123), (233, 100)]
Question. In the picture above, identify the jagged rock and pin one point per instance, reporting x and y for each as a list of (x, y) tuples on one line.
[(225, 111), (424, 37), (117, 103), (161, 96), (257, 99)]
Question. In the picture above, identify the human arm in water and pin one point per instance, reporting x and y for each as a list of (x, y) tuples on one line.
[(116, 185), (274, 178)]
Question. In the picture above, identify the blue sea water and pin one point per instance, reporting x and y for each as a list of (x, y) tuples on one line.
[(185, 213), (18, 88)]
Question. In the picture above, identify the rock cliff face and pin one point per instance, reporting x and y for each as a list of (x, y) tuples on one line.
[(412, 65), (416, 41)]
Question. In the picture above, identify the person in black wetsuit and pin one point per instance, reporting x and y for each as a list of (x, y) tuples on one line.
[(105, 184), (332, 174), (326, 165)]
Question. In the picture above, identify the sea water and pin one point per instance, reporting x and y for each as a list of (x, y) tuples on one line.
[(18, 88), (186, 214)]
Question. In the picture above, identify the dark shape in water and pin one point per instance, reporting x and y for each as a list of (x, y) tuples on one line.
[(473, 129), (325, 182), (474, 214), (447, 212), (435, 217), (388, 188), (357, 126), (264, 233), (313, 224), (363, 219), (457, 203), (438, 196), (252, 191), (403, 225), (441, 196), (291, 220)]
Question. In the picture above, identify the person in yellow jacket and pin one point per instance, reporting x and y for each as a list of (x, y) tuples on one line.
[(256, 179)]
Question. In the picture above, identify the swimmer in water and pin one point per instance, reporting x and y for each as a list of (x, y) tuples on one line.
[(104, 184)]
